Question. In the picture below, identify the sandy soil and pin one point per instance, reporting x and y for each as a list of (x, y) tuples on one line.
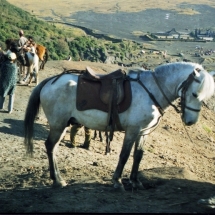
[(177, 168)]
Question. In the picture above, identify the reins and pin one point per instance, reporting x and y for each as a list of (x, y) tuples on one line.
[(160, 109), (170, 103), (184, 86), (150, 94)]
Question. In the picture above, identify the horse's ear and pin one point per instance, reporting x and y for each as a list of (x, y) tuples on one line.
[(196, 72)]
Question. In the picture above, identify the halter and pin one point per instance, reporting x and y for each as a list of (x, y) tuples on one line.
[(184, 86)]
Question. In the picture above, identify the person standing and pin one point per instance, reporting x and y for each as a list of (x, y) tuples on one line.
[(30, 46), (8, 74), (75, 128), (22, 44), (22, 40)]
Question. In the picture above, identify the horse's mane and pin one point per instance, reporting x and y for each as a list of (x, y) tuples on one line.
[(176, 66), (206, 89)]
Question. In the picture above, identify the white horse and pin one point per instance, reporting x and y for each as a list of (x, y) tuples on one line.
[(33, 61), (32, 69), (152, 92)]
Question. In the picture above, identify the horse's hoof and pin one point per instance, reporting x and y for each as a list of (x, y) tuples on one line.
[(21, 82), (119, 188), (84, 147), (59, 184), (137, 185)]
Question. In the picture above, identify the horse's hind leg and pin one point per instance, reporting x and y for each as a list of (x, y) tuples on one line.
[(51, 143), (42, 65), (138, 154), (95, 135), (100, 136)]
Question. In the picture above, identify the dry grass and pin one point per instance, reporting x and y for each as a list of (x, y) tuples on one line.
[(75, 32), (66, 7)]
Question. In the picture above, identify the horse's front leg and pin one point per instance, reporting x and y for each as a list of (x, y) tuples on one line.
[(55, 135), (26, 76), (137, 157), (128, 142), (30, 71), (35, 73)]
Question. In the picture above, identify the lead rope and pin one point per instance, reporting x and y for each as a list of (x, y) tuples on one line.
[(187, 132), (184, 86)]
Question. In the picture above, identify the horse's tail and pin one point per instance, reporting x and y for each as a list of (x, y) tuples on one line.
[(31, 113)]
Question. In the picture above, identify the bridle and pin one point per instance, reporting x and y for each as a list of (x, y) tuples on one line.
[(183, 87)]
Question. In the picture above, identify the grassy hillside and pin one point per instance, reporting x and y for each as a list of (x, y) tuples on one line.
[(64, 8), (62, 40), (54, 37)]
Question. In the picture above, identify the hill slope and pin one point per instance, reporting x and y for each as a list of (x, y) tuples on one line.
[(174, 171)]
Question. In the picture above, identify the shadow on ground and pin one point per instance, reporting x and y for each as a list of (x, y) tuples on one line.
[(162, 194)]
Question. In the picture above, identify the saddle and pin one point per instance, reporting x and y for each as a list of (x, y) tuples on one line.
[(110, 93)]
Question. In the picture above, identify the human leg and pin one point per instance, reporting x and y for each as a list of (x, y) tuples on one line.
[(2, 99), (10, 103), (87, 138), (73, 132)]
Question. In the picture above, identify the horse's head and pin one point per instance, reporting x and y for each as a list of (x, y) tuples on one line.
[(12, 45), (198, 86)]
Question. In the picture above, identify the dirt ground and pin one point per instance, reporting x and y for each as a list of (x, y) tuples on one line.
[(177, 168)]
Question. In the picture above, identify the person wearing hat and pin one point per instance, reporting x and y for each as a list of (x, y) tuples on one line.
[(8, 74), (21, 46)]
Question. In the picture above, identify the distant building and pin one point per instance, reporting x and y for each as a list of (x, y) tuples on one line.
[(208, 35), (172, 34)]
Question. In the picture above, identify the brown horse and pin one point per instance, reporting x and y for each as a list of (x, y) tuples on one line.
[(43, 55)]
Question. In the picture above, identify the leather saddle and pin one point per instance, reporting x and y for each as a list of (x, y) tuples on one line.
[(110, 93)]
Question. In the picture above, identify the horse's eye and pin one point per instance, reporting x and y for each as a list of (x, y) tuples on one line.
[(195, 95)]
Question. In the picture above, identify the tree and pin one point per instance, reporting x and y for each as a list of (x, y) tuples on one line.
[(62, 48)]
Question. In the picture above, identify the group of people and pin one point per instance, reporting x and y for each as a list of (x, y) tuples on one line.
[(25, 45), (9, 69), (8, 75)]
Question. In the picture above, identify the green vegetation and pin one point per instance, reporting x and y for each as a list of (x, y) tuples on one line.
[(206, 128), (12, 19), (60, 39)]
